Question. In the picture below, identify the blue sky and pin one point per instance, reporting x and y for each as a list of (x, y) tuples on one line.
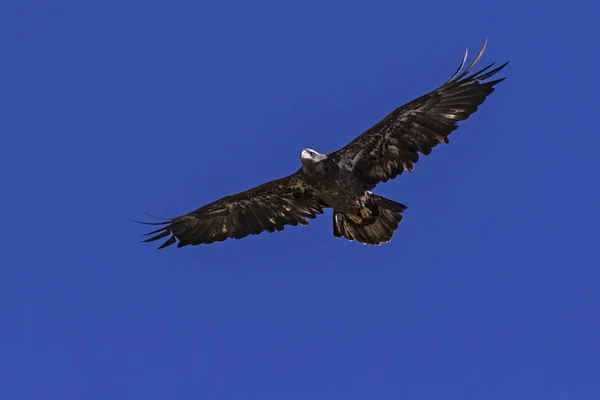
[(489, 290)]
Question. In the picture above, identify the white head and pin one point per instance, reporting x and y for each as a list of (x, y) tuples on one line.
[(309, 156)]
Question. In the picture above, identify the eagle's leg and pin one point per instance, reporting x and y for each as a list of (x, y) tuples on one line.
[(354, 218), (365, 212)]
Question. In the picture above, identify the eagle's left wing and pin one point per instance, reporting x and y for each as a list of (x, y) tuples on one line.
[(268, 207), (393, 145)]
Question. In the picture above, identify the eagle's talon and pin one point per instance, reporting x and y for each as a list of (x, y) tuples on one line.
[(365, 212), (355, 218)]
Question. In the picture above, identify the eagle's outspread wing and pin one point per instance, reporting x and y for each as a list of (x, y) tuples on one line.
[(392, 145), (268, 207)]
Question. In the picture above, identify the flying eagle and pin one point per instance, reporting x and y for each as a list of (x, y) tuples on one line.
[(343, 179)]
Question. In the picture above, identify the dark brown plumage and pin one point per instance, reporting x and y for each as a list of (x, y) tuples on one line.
[(343, 179), (268, 207), (393, 145)]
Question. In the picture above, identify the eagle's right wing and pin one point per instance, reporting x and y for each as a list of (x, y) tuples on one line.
[(268, 207), (393, 145)]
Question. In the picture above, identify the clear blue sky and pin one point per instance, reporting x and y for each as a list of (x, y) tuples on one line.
[(490, 289)]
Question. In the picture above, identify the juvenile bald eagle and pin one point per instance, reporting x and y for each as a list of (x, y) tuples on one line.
[(343, 179)]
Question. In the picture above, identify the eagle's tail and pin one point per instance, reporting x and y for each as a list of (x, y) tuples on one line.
[(376, 229)]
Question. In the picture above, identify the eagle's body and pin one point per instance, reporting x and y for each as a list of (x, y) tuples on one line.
[(343, 179), (333, 182)]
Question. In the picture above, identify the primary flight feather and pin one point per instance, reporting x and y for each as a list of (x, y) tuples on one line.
[(343, 179)]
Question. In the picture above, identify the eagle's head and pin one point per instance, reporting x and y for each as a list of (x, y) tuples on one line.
[(309, 156)]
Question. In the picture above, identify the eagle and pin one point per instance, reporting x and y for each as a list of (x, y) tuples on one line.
[(342, 180)]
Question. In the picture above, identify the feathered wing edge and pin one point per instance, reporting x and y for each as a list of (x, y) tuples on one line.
[(479, 75), (393, 144), (265, 208)]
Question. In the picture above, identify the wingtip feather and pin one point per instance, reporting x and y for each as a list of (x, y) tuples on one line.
[(460, 67)]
